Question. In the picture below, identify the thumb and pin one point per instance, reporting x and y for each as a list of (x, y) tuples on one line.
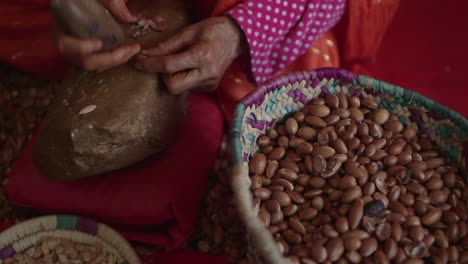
[(119, 10), (174, 44)]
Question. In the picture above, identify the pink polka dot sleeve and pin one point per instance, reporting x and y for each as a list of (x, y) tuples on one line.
[(279, 31)]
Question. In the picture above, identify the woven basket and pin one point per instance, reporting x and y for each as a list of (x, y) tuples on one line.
[(283, 96), (29, 233)]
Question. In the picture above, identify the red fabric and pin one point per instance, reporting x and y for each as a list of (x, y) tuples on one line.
[(26, 41), (183, 257), (156, 201), (362, 29), (425, 50)]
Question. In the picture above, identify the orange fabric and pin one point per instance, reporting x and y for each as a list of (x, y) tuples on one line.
[(223, 6), (235, 84), (362, 29)]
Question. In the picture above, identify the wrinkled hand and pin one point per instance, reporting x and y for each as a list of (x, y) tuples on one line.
[(85, 53), (197, 57)]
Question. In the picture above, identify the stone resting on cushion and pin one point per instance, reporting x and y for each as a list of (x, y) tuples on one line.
[(103, 121), (156, 201)]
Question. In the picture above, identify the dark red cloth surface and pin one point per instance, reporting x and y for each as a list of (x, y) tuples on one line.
[(186, 256), (426, 50), (156, 201)]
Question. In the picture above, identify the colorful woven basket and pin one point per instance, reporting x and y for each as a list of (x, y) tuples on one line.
[(283, 96), (29, 233)]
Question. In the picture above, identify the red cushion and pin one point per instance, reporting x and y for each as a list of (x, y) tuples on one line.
[(156, 201)]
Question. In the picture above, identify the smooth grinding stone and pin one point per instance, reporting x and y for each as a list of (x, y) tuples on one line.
[(126, 115)]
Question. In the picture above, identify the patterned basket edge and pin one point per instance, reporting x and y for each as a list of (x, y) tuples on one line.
[(314, 77), (264, 250), (68, 223)]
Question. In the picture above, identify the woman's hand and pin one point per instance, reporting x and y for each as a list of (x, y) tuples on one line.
[(196, 57), (85, 53)]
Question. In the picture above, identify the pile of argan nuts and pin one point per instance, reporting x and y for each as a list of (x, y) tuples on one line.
[(343, 181), (220, 229), (63, 251), (23, 102)]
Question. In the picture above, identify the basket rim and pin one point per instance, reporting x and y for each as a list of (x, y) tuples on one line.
[(240, 180), (69, 223), (257, 96)]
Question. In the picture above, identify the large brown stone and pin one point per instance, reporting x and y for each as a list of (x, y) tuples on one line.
[(133, 118)]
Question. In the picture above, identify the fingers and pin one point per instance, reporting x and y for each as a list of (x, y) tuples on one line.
[(70, 46), (189, 80), (173, 44), (119, 9), (182, 81), (73, 47), (168, 64), (107, 60), (84, 53)]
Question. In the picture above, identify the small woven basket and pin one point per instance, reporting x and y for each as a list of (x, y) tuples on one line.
[(80, 230), (284, 95)]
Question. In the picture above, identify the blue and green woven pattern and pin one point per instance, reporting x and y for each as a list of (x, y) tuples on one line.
[(287, 94)]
